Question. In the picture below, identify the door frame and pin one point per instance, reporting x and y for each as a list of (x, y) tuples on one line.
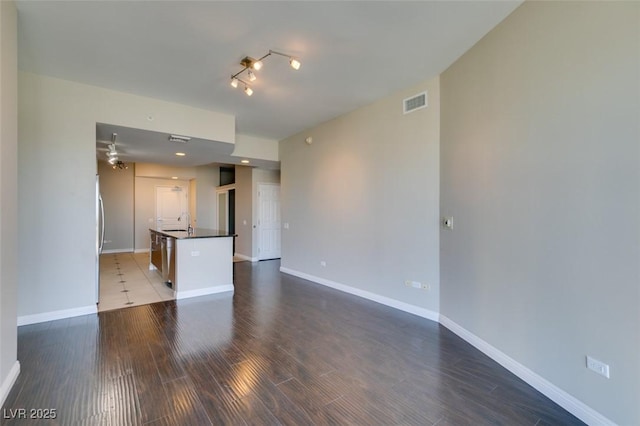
[(258, 246), (223, 190)]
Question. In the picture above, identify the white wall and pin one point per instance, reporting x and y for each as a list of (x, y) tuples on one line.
[(364, 198), (255, 147), (56, 204), (541, 172), (9, 366), (244, 212), (207, 179), (193, 198), (162, 171)]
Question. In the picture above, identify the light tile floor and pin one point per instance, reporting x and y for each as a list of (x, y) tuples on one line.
[(125, 281)]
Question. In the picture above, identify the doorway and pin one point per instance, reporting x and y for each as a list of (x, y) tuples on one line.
[(226, 201)]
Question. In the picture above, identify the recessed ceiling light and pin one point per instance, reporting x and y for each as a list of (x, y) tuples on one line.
[(180, 154), (174, 177), (244, 161)]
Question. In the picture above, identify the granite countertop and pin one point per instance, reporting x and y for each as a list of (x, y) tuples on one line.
[(197, 233)]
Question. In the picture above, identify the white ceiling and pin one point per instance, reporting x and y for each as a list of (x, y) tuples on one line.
[(352, 52)]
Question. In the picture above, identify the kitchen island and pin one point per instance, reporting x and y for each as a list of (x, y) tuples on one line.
[(193, 263)]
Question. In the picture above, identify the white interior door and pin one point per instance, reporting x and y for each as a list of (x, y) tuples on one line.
[(171, 207), (268, 221)]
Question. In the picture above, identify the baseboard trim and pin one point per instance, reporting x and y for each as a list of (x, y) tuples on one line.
[(9, 381), (145, 250), (204, 291), (56, 315), (112, 251), (243, 257), (551, 391), (406, 307)]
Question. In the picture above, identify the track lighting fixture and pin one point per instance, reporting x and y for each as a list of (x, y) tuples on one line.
[(250, 65)]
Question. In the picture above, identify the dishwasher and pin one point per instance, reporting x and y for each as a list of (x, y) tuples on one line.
[(156, 251), (168, 260)]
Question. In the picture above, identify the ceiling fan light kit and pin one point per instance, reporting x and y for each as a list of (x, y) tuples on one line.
[(112, 154), (250, 65)]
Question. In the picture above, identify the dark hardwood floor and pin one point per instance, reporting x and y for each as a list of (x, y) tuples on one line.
[(281, 350)]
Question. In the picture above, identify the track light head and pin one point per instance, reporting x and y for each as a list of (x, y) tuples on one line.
[(234, 82), (257, 65), (248, 90), (252, 76), (295, 64)]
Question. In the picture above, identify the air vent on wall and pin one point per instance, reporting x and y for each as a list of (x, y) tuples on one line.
[(413, 103)]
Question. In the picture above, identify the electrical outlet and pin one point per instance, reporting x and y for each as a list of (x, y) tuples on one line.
[(598, 366), (426, 287), (414, 284)]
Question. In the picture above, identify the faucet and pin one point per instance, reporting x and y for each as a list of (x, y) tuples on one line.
[(189, 227)]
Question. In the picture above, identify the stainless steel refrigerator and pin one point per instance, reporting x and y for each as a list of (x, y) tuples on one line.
[(99, 234)]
